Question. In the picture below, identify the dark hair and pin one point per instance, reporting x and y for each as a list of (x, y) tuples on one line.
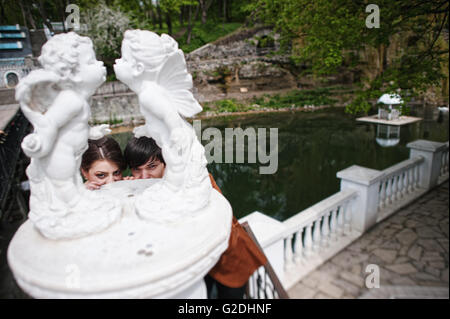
[(105, 148), (139, 150)]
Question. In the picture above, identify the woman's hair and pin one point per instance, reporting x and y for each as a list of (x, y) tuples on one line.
[(139, 150), (105, 148)]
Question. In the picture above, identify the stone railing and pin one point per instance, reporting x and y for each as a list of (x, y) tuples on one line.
[(444, 163), (316, 233), (303, 242)]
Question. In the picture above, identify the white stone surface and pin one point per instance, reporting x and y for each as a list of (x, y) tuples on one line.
[(430, 169), (366, 182), (401, 120), (54, 99), (155, 69), (130, 239), (269, 231), (131, 259)]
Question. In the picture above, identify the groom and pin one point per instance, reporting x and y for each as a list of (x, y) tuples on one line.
[(230, 275)]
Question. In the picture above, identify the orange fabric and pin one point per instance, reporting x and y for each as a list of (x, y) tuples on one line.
[(241, 258)]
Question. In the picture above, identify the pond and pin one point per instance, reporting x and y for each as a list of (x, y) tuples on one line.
[(312, 148)]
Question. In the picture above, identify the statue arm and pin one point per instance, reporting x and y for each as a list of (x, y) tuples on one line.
[(156, 101), (65, 107)]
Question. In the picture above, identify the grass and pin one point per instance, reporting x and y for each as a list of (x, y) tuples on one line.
[(297, 98), (203, 34), (293, 99)]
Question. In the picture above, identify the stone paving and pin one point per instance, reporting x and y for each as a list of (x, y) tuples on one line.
[(410, 248)]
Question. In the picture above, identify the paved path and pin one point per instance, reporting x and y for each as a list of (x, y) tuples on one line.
[(410, 248)]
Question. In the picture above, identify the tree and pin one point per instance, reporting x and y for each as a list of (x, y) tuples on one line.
[(204, 6), (329, 35), (106, 27)]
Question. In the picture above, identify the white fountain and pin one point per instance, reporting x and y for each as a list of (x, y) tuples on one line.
[(131, 239)]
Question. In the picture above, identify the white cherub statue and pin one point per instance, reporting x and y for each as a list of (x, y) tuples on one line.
[(54, 99), (155, 69)]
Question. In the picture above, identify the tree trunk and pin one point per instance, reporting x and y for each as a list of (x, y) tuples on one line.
[(24, 16), (204, 6), (43, 14), (62, 11), (2, 13), (189, 27), (169, 23), (224, 10), (158, 9), (228, 15), (182, 16), (381, 58)]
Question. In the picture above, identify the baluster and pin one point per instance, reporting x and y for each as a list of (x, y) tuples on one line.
[(445, 163), (394, 188), (325, 230), (298, 256), (405, 182), (382, 195), (400, 186), (308, 240), (410, 180), (340, 219), (388, 191), (348, 217), (417, 175), (334, 224), (288, 251), (442, 170), (316, 234)]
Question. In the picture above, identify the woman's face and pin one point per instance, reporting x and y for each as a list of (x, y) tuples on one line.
[(153, 168), (103, 172)]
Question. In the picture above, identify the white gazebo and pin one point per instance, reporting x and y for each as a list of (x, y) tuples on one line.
[(391, 113)]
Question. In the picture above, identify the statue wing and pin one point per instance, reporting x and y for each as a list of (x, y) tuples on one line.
[(174, 77), (36, 92)]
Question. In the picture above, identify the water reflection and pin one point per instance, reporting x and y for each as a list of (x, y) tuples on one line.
[(388, 135), (313, 147)]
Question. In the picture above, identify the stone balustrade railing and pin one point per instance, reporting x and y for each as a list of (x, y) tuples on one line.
[(317, 227), (300, 244), (399, 181), (444, 162)]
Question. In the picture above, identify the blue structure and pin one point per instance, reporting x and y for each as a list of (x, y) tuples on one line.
[(15, 48)]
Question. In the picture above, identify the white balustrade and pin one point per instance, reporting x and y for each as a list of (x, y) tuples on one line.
[(444, 161), (399, 180), (367, 196), (318, 227)]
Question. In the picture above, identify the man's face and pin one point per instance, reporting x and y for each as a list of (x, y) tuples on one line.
[(153, 168)]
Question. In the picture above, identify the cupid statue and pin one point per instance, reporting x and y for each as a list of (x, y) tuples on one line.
[(155, 69), (54, 99)]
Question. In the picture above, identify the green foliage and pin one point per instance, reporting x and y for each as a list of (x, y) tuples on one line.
[(265, 41), (328, 35), (206, 33), (229, 105)]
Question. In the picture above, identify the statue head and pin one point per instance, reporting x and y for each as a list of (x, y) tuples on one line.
[(68, 55), (143, 53)]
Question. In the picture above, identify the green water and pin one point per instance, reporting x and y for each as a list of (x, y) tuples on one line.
[(313, 147)]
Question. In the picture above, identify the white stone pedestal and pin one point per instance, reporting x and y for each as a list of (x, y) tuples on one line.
[(131, 259)]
